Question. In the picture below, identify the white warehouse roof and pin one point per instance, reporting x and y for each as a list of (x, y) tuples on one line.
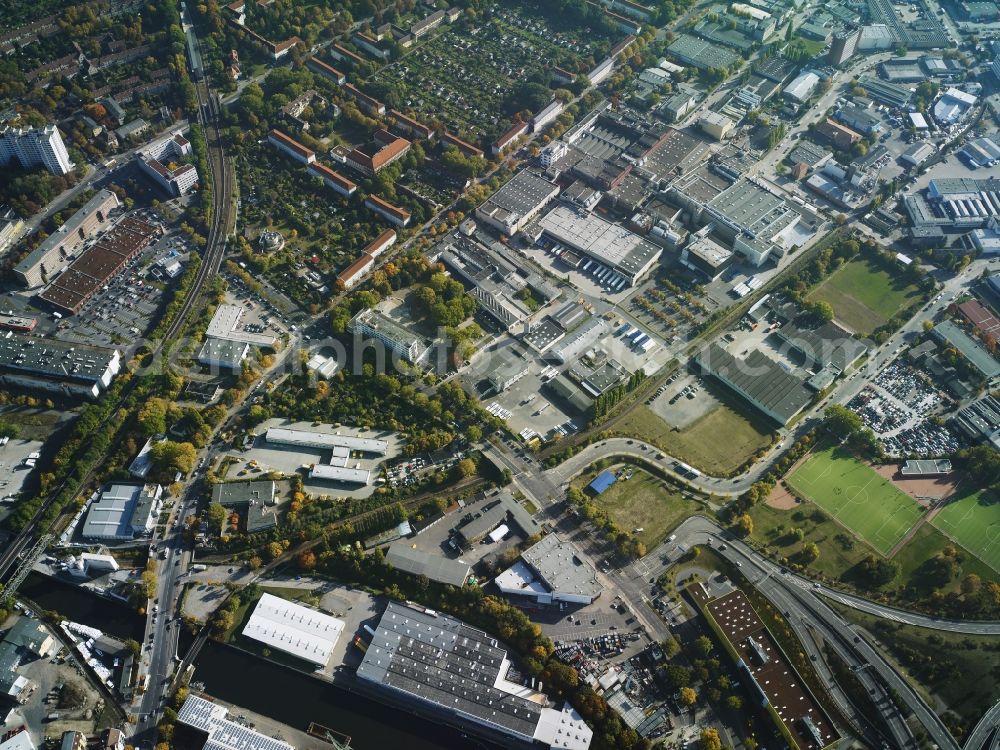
[(294, 629), (317, 439)]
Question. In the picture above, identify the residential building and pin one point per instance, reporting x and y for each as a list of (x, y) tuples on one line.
[(332, 179), (35, 146), (356, 271), (291, 147), (384, 149), (372, 324), (123, 512), (393, 214), (546, 115), (974, 352), (11, 226), (465, 147), (411, 126), (513, 133), (174, 179), (368, 104), (480, 697), (326, 70)]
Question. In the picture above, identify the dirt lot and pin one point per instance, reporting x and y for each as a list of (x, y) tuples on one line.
[(920, 489), (781, 498)]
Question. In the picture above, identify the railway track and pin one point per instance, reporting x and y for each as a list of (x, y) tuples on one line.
[(16, 556)]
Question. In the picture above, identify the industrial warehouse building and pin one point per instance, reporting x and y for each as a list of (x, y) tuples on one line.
[(221, 733), (56, 366), (122, 512), (511, 207), (294, 629), (448, 669), (343, 465), (402, 556), (551, 571), (625, 253), (758, 379)]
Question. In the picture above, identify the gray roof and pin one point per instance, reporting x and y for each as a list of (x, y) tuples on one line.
[(759, 379), (55, 359), (438, 660), (243, 493), (417, 562), (827, 345), (561, 567), (120, 511), (526, 192), (809, 153), (223, 351), (506, 508), (701, 53), (561, 387), (968, 347)]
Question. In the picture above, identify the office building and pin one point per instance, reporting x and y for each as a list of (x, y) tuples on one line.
[(57, 367), (511, 207), (257, 499), (210, 720), (716, 125), (551, 571), (843, 45), (371, 324), (35, 146), (553, 153), (504, 510), (628, 255), (123, 512), (60, 248), (448, 669), (294, 629), (840, 136)]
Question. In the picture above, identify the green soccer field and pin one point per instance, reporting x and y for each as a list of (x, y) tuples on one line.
[(973, 520), (860, 499)]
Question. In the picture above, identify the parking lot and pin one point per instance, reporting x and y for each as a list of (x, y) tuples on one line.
[(897, 406), (15, 466), (683, 400)]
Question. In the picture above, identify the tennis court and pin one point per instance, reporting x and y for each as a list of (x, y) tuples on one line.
[(860, 499), (973, 520)]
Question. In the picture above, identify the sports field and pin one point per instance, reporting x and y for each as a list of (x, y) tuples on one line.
[(973, 520), (860, 499), (865, 297)]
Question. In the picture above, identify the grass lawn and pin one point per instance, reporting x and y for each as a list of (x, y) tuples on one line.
[(973, 520), (645, 502), (865, 297), (860, 499), (699, 443), (960, 670)]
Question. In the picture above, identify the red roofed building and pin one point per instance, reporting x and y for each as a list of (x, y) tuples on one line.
[(383, 150), (516, 130), (393, 214), (981, 319), (381, 243), (354, 272), (325, 69), (369, 104), (345, 55), (411, 126), (291, 147), (465, 147), (335, 180), (280, 49)]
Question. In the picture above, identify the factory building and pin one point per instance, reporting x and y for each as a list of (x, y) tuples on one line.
[(518, 202), (551, 571), (476, 694), (210, 720), (57, 367), (123, 512), (294, 629)]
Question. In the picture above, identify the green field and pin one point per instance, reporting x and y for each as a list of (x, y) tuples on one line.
[(973, 520), (865, 297), (643, 502), (857, 497), (698, 444)]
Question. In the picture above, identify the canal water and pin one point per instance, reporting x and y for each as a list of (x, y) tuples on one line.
[(258, 685)]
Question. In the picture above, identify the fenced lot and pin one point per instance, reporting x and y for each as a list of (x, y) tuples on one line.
[(865, 297), (860, 499), (973, 520)]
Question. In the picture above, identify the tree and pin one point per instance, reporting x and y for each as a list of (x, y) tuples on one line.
[(709, 739), (216, 516), (734, 702), (841, 421), (821, 310), (744, 524), (703, 644), (306, 560), (670, 647), (809, 553), (169, 457), (688, 696)]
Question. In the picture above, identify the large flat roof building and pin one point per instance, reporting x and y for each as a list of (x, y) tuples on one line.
[(211, 719), (760, 380), (445, 667), (122, 512), (511, 207), (626, 253), (226, 324), (326, 439), (551, 571), (372, 324), (294, 629), (974, 352), (56, 366), (60, 248), (403, 556)]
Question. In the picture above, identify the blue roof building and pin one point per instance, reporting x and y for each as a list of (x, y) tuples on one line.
[(602, 481)]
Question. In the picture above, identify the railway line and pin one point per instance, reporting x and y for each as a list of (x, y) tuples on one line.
[(17, 554)]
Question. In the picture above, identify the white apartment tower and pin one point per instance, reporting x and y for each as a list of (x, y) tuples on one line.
[(34, 146)]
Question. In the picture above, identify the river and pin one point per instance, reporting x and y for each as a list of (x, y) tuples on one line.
[(258, 685)]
